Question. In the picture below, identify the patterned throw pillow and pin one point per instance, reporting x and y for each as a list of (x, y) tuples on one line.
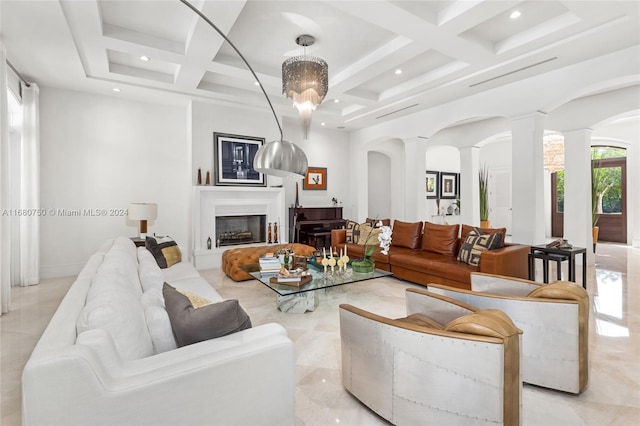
[(368, 235), (165, 250), (353, 232), (475, 243)]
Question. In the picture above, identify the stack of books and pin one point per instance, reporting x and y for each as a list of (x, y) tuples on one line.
[(269, 265)]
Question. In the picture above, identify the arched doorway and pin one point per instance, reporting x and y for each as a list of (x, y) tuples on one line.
[(609, 195)]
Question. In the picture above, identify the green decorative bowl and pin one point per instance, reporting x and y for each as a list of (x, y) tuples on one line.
[(363, 266)]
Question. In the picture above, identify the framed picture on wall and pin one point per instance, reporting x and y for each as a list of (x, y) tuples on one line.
[(448, 185), (432, 183), (233, 160), (316, 178)]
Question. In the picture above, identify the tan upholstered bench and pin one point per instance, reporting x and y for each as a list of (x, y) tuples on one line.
[(233, 258)]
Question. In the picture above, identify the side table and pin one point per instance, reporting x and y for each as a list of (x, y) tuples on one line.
[(558, 255), (139, 242)]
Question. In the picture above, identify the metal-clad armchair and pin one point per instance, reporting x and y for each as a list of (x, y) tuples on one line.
[(553, 317), (449, 364)]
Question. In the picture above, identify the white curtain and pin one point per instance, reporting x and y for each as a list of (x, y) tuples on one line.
[(30, 186), (5, 237)]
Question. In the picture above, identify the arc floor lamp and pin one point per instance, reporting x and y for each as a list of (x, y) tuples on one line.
[(277, 158)]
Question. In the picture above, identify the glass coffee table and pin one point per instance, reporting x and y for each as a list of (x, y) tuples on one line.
[(292, 299)]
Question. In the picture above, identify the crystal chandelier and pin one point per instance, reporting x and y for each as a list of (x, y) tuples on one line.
[(305, 79)]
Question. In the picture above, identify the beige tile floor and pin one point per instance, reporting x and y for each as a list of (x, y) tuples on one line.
[(612, 398)]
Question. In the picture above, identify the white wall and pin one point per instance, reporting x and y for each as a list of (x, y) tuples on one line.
[(440, 159), (209, 118), (379, 186), (101, 152), (325, 148)]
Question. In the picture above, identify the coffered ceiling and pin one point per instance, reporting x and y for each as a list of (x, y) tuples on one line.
[(444, 49)]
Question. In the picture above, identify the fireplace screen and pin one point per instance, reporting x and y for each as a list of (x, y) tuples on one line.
[(233, 230)]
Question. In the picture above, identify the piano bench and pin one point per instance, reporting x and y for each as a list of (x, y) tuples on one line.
[(315, 238)]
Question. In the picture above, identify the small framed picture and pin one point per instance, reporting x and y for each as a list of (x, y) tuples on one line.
[(233, 160), (432, 183), (448, 185), (316, 178)]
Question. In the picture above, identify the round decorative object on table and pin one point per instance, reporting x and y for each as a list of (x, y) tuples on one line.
[(363, 266)]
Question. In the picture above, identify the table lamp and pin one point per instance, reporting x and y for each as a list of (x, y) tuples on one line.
[(143, 212)]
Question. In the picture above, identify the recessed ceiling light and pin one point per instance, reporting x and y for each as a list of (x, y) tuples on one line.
[(256, 83), (144, 58), (398, 71), (336, 100), (515, 14), (323, 124), (115, 89)]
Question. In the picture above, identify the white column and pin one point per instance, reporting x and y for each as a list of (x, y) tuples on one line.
[(415, 161), (528, 179), (577, 190), (633, 195), (470, 193)]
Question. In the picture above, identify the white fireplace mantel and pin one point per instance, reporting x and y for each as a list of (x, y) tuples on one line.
[(212, 201)]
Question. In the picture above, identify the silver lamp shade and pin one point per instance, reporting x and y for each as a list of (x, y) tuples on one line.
[(280, 158)]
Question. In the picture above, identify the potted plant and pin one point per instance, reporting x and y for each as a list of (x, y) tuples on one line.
[(483, 180)]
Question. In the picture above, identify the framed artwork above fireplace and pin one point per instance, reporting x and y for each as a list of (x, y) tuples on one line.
[(233, 160)]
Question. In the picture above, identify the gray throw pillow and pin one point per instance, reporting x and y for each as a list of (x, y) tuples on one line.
[(192, 325)]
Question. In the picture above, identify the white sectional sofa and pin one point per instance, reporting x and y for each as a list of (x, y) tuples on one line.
[(108, 356)]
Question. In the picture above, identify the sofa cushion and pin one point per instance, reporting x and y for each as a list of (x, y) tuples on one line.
[(192, 325), (180, 271), (486, 322), (467, 228), (421, 320), (120, 261), (433, 264), (158, 321), (368, 235), (442, 239), (149, 272), (165, 250), (406, 234), (476, 242), (112, 305)]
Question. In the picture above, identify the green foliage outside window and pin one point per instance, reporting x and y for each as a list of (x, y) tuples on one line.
[(606, 194), (606, 183)]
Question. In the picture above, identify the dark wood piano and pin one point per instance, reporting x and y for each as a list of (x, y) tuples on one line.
[(313, 225)]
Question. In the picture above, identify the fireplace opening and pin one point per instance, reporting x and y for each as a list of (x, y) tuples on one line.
[(245, 229)]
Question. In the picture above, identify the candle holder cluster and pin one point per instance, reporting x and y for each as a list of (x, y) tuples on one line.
[(341, 260), (272, 233)]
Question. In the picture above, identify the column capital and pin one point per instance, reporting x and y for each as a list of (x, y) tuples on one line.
[(585, 130), (535, 114), (415, 139)]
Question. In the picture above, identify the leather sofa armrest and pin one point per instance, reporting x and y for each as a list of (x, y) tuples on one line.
[(338, 237), (510, 260)]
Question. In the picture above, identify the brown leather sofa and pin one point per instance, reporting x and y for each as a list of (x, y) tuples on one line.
[(427, 253)]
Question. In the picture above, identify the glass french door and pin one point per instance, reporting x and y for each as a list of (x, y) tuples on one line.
[(612, 217)]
